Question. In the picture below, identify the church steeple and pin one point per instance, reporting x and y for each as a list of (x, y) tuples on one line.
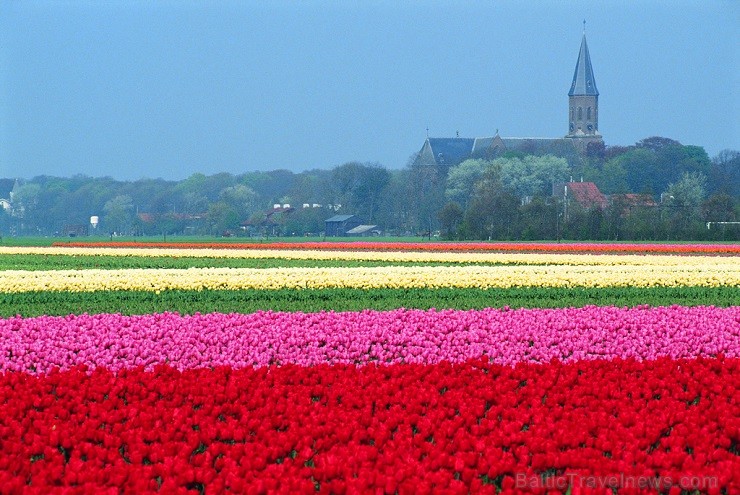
[(583, 77), (583, 97)]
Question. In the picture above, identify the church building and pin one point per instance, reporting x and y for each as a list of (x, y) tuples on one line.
[(583, 129)]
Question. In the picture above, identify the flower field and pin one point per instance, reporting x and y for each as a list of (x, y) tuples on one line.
[(465, 247), (366, 368)]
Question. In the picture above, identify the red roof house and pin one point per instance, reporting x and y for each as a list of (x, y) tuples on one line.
[(585, 194)]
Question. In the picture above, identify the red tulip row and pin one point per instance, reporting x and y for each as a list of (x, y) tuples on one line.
[(540, 247), (476, 427)]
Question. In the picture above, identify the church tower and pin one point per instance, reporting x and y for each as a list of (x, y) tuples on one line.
[(583, 99)]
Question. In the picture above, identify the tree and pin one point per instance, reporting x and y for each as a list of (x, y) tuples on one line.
[(358, 188), (642, 170), (656, 162), (532, 175), (493, 211), (240, 198), (395, 209), (306, 221), (26, 199), (208, 186), (119, 214), (689, 191), (223, 218), (685, 198), (425, 193), (311, 186), (724, 173), (657, 143), (539, 219), (450, 217), (461, 180), (26, 208), (271, 187), (719, 208), (611, 179), (722, 208)]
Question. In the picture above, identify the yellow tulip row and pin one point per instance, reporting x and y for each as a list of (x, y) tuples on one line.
[(366, 278), (393, 256)]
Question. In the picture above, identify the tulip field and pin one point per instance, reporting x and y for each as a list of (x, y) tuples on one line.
[(366, 367)]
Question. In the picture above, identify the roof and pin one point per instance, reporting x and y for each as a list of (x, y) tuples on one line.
[(481, 144), (455, 150), (584, 82), (586, 194), (281, 209), (339, 218), (634, 199), (146, 217), (451, 150), (361, 229)]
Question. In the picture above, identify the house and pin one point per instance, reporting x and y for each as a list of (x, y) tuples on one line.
[(584, 194), (583, 129), (631, 202), (271, 223), (340, 225)]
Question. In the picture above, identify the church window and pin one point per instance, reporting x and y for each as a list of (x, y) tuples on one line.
[(588, 113), (580, 113)]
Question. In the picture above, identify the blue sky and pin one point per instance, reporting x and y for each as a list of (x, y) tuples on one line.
[(133, 89)]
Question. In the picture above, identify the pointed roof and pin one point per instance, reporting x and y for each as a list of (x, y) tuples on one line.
[(587, 194), (584, 82), (451, 151)]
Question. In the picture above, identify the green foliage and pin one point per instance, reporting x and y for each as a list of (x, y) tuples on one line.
[(656, 162), (407, 201), (610, 179), (359, 188), (242, 199), (461, 180), (532, 175), (247, 301), (222, 218), (450, 218), (119, 214), (493, 212), (66, 262), (685, 198), (306, 221), (425, 194), (724, 173)]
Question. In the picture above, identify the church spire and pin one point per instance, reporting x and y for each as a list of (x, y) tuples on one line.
[(584, 83), (583, 98)]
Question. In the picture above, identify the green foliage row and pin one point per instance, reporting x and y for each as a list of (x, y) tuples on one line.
[(66, 262), (247, 301)]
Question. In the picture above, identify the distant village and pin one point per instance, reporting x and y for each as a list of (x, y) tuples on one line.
[(492, 187)]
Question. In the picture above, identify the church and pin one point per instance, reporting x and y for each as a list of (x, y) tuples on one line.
[(583, 129)]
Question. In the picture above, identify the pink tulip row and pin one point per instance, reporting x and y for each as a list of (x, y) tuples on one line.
[(505, 336)]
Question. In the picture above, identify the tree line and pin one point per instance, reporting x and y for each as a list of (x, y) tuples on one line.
[(509, 197)]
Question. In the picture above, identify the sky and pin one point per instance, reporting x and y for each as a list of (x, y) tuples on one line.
[(165, 89)]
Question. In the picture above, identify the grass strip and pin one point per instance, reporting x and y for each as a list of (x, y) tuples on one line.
[(38, 262), (311, 300)]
